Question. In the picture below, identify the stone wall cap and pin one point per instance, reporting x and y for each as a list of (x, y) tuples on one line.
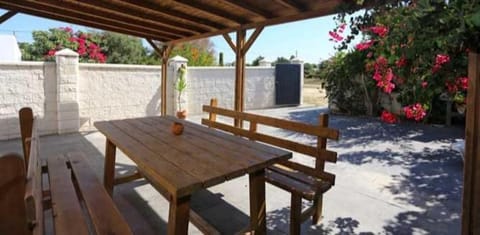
[(66, 52), (178, 58)]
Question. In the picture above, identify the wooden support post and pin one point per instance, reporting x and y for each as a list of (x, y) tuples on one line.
[(320, 167), (257, 202), (241, 49), (179, 215), (164, 53), (471, 185), (239, 74), (7, 16), (109, 167)]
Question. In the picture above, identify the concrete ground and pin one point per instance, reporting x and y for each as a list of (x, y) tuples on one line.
[(391, 179)]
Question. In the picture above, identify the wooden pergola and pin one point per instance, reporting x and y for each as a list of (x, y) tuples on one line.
[(164, 23)]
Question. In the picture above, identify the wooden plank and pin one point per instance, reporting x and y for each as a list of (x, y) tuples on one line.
[(128, 178), (212, 10), (290, 185), (212, 116), (294, 174), (178, 216), (7, 15), (309, 129), (308, 170), (266, 152), (258, 222), (68, 215), (25, 115), (324, 154), (104, 215), (266, 149), (201, 150), (253, 9), (33, 188), (197, 162), (109, 166), (320, 166), (471, 189), (251, 40), (160, 172), (234, 156), (202, 225), (229, 41), (12, 191)]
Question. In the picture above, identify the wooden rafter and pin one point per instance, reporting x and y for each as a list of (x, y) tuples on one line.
[(111, 8), (7, 16), (86, 22), (83, 12), (293, 4), (253, 9), (147, 6), (229, 41), (212, 11)]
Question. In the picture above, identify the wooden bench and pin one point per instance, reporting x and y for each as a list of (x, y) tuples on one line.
[(302, 181), (56, 195)]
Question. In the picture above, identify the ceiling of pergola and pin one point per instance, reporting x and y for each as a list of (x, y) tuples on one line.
[(170, 21)]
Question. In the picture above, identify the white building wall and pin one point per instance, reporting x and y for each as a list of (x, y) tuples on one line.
[(204, 83), (27, 84), (110, 91)]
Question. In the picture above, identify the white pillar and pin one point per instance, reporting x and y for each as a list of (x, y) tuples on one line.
[(296, 60), (68, 117), (174, 65)]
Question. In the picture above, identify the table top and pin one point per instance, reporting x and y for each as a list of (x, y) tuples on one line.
[(199, 158)]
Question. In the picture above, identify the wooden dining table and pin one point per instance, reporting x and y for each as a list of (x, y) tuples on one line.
[(179, 165)]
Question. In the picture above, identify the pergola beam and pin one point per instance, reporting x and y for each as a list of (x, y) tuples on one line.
[(213, 11), (255, 10), (7, 16), (111, 8), (87, 12), (86, 22), (292, 4), (164, 53), (146, 6), (471, 177), (241, 48)]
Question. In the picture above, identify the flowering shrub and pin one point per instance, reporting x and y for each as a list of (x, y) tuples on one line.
[(86, 47), (415, 49), (388, 117)]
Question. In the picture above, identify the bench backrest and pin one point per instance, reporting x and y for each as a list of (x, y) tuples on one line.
[(321, 131), (33, 189)]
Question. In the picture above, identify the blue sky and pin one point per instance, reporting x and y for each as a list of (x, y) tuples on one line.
[(308, 38)]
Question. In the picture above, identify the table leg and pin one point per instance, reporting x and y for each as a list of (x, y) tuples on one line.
[(179, 216), (109, 167), (257, 202)]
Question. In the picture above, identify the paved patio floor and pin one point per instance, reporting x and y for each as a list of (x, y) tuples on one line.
[(391, 179)]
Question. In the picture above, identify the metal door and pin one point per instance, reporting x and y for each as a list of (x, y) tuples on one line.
[(287, 84)]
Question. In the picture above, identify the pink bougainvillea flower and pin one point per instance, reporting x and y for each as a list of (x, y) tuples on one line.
[(67, 29), (389, 75), (51, 52), (415, 111), (388, 117), (451, 87), (436, 67), (380, 30), (441, 59), (369, 55), (335, 36), (401, 62), (364, 45), (462, 83), (424, 84), (388, 87), (341, 28)]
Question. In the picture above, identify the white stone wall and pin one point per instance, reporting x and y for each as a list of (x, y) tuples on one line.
[(27, 84), (204, 83), (68, 96), (108, 91)]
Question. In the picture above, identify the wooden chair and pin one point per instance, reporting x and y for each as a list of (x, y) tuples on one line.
[(302, 181), (64, 185)]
